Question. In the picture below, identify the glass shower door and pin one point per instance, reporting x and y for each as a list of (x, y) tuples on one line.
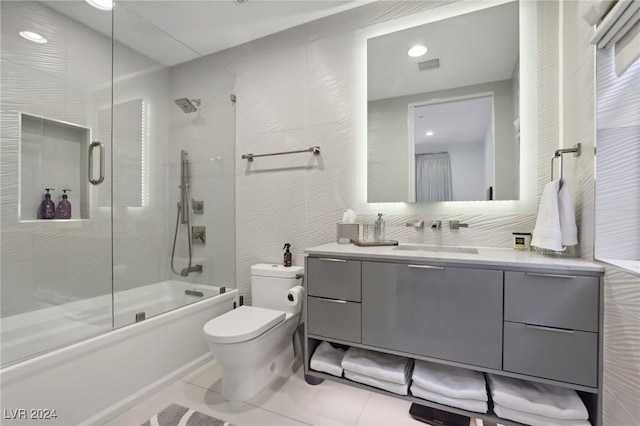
[(56, 265)]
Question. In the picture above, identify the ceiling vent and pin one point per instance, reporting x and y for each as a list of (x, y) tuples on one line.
[(431, 64)]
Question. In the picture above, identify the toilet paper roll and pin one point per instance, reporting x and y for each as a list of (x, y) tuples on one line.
[(295, 295)]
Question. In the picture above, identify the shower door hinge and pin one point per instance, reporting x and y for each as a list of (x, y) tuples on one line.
[(233, 98)]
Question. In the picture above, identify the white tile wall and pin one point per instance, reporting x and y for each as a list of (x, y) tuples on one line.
[(297, 89), (613, 221)]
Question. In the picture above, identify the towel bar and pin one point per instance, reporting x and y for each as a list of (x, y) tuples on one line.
[(576, 150)]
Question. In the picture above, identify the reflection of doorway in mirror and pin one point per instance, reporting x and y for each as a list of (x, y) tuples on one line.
[(463, 129)]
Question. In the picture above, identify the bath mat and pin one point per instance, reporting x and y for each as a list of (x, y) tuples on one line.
[(177, 415)]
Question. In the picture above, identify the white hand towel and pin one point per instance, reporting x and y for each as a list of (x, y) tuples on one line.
[(391, 368), (454, 382), (547, 233), (465, 404), (534, 419), (377, 383), (537, 398), (567, 216), (328, 359)]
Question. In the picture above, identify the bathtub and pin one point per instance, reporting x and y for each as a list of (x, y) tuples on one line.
[(96, 378)]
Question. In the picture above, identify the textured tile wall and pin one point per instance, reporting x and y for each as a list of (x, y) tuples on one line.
[(610, 225), (298, 88), (69, 79)]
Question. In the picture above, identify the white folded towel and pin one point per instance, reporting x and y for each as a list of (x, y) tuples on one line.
[(567, 216), (465, 404), (328, 359), (377, 383), (454, 382), (534, 419), (537, 398), (391, 368)]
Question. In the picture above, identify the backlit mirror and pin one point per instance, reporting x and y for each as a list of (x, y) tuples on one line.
[(445, 125)]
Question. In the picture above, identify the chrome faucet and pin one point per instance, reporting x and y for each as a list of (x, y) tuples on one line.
[(186, 271), (418, 224), (455, 224)]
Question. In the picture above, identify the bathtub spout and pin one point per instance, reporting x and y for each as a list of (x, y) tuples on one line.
[(186, 271)]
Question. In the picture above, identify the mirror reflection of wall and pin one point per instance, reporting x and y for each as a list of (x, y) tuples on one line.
[(470, 56), (467, 172)]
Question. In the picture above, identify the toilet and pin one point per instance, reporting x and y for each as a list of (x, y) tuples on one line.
[(254, 343)]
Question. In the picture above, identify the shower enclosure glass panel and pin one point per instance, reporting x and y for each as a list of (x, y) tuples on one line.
[(56, 284), (171, 129)]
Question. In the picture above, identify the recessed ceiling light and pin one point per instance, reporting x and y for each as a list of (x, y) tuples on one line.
[(416, 51), (34, 37), (429, 133), (101, 4)]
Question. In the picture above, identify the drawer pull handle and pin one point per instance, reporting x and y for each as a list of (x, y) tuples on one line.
[(327, 259), (333, 301), (557, 330), (532, 274), (426, 267)]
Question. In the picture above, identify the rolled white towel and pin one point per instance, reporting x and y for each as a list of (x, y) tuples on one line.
[(327, 359), (387, 367), (534, 419), (377, 383), (537, 398), (465, 404), (454, 382)]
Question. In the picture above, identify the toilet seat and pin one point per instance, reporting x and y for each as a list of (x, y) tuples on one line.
[(242, 324)]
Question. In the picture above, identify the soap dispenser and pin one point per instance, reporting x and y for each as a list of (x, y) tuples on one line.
[(64, 207), (287, 255), (379, 234), (47, 206)]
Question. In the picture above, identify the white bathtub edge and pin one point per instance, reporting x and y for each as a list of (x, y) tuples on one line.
[(49, 359), (101, 377), (132, 400)]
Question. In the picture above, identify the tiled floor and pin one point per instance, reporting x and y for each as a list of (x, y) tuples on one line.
[(289, 400)]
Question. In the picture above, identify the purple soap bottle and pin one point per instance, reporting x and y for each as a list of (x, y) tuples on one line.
[(47, 207), (64, 206)]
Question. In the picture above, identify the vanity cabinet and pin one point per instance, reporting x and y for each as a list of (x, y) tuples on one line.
[(507, 313), (333, 305), (434, 310)]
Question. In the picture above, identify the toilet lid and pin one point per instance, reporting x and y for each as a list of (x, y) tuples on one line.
[(241, 324)]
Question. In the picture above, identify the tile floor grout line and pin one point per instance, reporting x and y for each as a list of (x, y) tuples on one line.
[(363, 408), (200, 386), (279, 414)]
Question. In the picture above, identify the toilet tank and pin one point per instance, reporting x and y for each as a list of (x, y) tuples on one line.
[(270, 284)]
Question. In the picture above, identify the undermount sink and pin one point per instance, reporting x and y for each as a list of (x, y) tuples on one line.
[(437, 249)]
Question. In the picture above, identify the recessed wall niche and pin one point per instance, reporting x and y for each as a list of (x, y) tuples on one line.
[(53, 154)]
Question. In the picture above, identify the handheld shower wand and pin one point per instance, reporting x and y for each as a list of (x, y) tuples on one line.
[(183, 208)]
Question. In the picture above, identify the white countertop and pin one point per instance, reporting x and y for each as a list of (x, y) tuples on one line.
[(486, 256)]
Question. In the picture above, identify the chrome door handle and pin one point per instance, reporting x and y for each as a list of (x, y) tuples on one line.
[(333, 300), (533, 274), (557, 330), (92, 147), (327, 259), (426, 267)]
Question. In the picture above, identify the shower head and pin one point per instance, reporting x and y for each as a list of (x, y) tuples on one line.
[(188, 105)]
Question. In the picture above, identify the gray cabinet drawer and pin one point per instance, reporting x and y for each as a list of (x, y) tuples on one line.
[(552, 300), (564, 355), (334, 278), (434, 311), (333, 318)]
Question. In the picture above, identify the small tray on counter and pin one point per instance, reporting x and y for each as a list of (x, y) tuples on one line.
[(375, 243)]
